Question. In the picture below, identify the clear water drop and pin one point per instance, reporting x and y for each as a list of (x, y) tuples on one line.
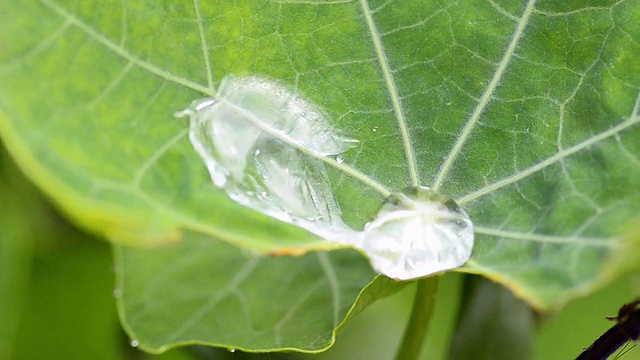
[(375, 129), (262, 145), (134, 343), (232, 350), (418, 232)]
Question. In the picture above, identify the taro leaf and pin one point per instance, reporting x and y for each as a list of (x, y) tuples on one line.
[(525, 113)]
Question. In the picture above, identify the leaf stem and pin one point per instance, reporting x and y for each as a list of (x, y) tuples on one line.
[(416, 331)]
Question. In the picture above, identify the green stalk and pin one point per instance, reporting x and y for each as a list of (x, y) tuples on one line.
[(416, 331)]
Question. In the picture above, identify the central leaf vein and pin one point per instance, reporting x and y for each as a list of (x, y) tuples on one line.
[(486, 97), (393, 93)]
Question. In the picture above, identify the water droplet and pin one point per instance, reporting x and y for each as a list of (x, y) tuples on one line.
[(117, 293), (232, 350), (416, 233), (134, 343), (375, 129), (263, 145)]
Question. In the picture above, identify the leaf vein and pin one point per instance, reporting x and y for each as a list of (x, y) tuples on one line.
[(112, 85), (634, 119), (393, 92), (120, 51), (293, 308), (486, 97), (139, 175), (218, 296), (330, 273), (547, 239), (203, 44), (36, 49), (277, 134)]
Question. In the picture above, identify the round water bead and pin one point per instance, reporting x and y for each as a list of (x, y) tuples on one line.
[(418, 232)]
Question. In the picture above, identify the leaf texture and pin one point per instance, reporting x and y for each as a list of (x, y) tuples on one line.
[(525, 113)]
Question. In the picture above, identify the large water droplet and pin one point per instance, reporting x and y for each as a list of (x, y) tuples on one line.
[(262, 144), (418, 232), (266, 147)]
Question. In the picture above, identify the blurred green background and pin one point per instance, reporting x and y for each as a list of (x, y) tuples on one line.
[(56, 299)]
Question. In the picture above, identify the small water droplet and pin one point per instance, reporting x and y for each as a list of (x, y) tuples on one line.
[(134, 343), (232, 350), (375, 129), (117, 293)]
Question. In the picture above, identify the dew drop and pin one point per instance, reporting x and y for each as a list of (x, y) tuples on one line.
[(262, 144), (232, 350), (418, 232), (375, 129), (134, 343)]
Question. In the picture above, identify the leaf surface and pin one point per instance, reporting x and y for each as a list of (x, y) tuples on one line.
[(178, 295), (525, 113)]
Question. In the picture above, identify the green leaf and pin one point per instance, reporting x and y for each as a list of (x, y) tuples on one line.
[(205, 291), (525, 113)]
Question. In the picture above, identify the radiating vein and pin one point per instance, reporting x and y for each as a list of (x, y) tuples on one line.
[(502, 11), (548, 239), (216, 297), (332, 279), (94, 34), (203, 44), (277, 134), (486, 97), (139, 175), (294, 308), (393, 92), (112, 85), (42, 45), (550, 161)]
